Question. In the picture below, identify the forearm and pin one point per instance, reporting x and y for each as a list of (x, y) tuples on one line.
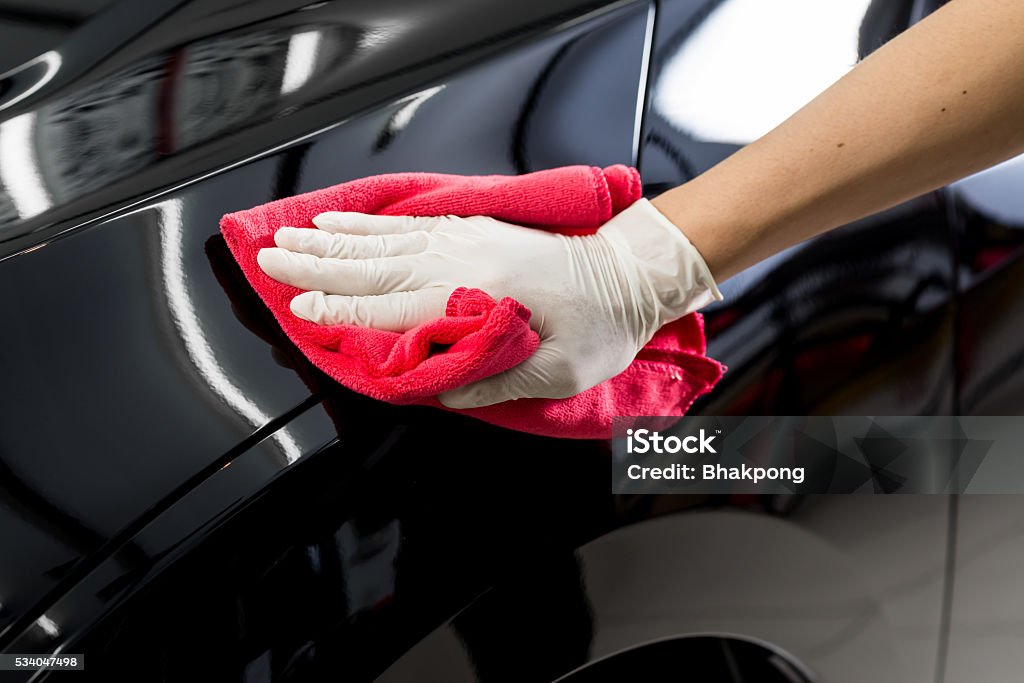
[(941, 101)]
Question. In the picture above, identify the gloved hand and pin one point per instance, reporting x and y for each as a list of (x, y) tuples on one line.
[(596, 299)]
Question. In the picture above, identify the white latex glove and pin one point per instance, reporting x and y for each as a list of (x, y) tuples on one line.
[(595, 299)]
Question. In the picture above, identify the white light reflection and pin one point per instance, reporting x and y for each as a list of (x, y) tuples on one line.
[(48, 625), (378, 35), (191, 332), (996, 191), (641, 97), (300, 61), (52, 62), (751, 64), (408, 107), (19, 167)]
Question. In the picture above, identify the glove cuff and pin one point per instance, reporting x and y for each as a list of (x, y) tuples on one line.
[(676, 273)]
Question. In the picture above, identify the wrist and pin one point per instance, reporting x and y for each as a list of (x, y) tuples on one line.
[(688, 206)]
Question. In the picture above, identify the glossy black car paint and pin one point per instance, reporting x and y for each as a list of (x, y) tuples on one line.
[(161, 384), (176, 478)]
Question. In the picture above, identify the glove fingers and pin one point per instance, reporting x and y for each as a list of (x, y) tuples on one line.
[(395, 312), (342, 246), (353, 223), (356, 277)]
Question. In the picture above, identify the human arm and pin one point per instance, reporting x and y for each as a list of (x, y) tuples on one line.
[(940, 101)]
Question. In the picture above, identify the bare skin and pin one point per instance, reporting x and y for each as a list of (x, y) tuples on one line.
[(941, 101)]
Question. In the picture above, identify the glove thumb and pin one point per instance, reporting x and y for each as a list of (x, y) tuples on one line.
[(531, 378)]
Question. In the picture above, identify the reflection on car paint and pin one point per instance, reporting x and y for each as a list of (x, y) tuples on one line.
[(745, 67), (155, 108)]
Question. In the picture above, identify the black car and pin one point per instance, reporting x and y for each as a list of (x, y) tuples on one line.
[(183, 496)]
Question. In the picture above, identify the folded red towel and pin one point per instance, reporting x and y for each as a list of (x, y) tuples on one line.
[(478, 336)]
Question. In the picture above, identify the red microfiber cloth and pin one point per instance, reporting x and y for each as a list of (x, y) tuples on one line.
[(478, 336)]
